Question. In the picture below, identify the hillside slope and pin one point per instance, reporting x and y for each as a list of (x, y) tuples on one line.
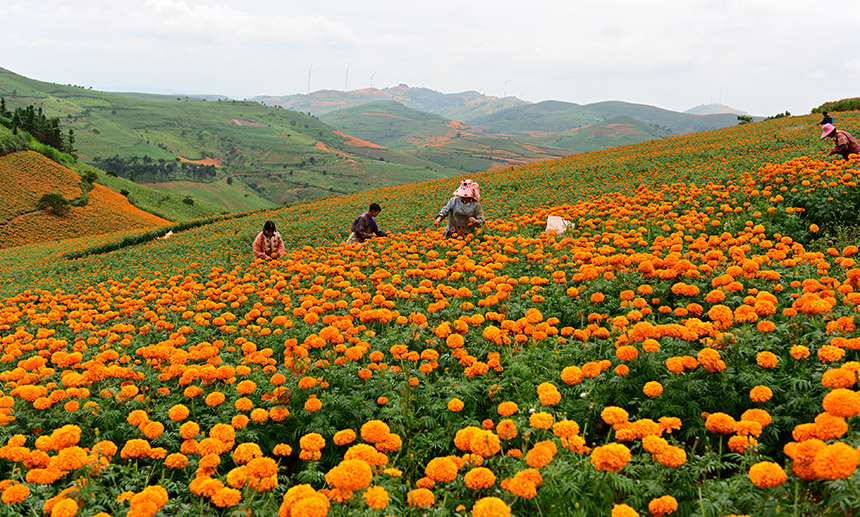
[(281, 155), (433, 138), (26, 175), (688, 347)]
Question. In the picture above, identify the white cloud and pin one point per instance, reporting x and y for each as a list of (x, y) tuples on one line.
[(763, 57)]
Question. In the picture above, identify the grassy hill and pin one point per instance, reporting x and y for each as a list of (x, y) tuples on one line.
[(25, 176), (432, 138), (551, 122), (282, 155), (689, 347)]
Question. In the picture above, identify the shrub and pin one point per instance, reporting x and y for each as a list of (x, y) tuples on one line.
[(188, 201), (842, 105), (57, 203)]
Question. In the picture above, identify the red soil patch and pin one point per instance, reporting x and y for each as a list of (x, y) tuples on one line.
[(456, 125), (357, 142), (369, 114), (205, 161), (623, 129), (571, 130), (530, 148)]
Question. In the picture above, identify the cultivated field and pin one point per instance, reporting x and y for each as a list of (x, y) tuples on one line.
[(689, 348)]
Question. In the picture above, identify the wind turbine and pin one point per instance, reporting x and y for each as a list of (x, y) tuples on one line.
[(346, 81), (371, 79)]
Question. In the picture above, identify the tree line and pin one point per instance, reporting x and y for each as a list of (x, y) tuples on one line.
[(151, 170), (44, 129)]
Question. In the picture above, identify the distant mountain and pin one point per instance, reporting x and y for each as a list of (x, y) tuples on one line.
[(434, 138), (714, 109), (553, 124), (455, 106)]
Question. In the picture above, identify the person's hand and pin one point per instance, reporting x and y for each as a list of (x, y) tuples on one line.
[(472, 221), (437, 221)]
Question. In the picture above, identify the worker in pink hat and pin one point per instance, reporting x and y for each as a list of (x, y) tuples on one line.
[(464, 211), (845, 143)]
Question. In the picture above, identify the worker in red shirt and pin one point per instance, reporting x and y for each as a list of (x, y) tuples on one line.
[(845, 143)]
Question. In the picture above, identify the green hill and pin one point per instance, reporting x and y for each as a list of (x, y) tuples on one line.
[(432, 137), (551, 121), (280, 156)]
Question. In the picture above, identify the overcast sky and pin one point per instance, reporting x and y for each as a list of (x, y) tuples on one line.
[(763, 57)]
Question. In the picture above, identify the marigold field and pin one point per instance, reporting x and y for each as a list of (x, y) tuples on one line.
[(690, 347)]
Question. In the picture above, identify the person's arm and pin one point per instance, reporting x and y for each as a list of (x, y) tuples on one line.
[(375, 229), (479, 215), (259, 252), (445, 211)]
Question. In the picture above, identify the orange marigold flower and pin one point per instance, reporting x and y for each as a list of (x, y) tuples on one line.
[(572, 375), (761, 394), (541, 420), (226, 497), (376, 497), (485, 443), (375, 431), (350, 475), (491, 507), (613, 415), (479, 478), (539, 456), (507, 429), (766, 359), (720, 423), (627, 353), (441, 470), (178, 413), (216, 398), (344, 437), (652, 389), (15, 494), (420, 498), (548, 394), (176, 461), (507, 408), (767, 474), (842, 402), (662, 506), (623, 510), (612, 457), (312, 442), (456, 405), (836, 461), (799, 352)]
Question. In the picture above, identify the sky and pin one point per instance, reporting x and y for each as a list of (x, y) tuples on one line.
[(762, 57)]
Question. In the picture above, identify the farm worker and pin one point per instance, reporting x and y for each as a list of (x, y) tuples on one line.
[(464, 211), (268, 244), (826, 120), (845, 143), (364, 226)]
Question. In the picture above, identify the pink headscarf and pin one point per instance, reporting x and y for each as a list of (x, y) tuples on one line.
[(826, 129), (468, 188)]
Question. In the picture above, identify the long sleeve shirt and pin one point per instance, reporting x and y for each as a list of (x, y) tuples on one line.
[(845, 144), (265, 247), (458, 214), (365, 227)]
